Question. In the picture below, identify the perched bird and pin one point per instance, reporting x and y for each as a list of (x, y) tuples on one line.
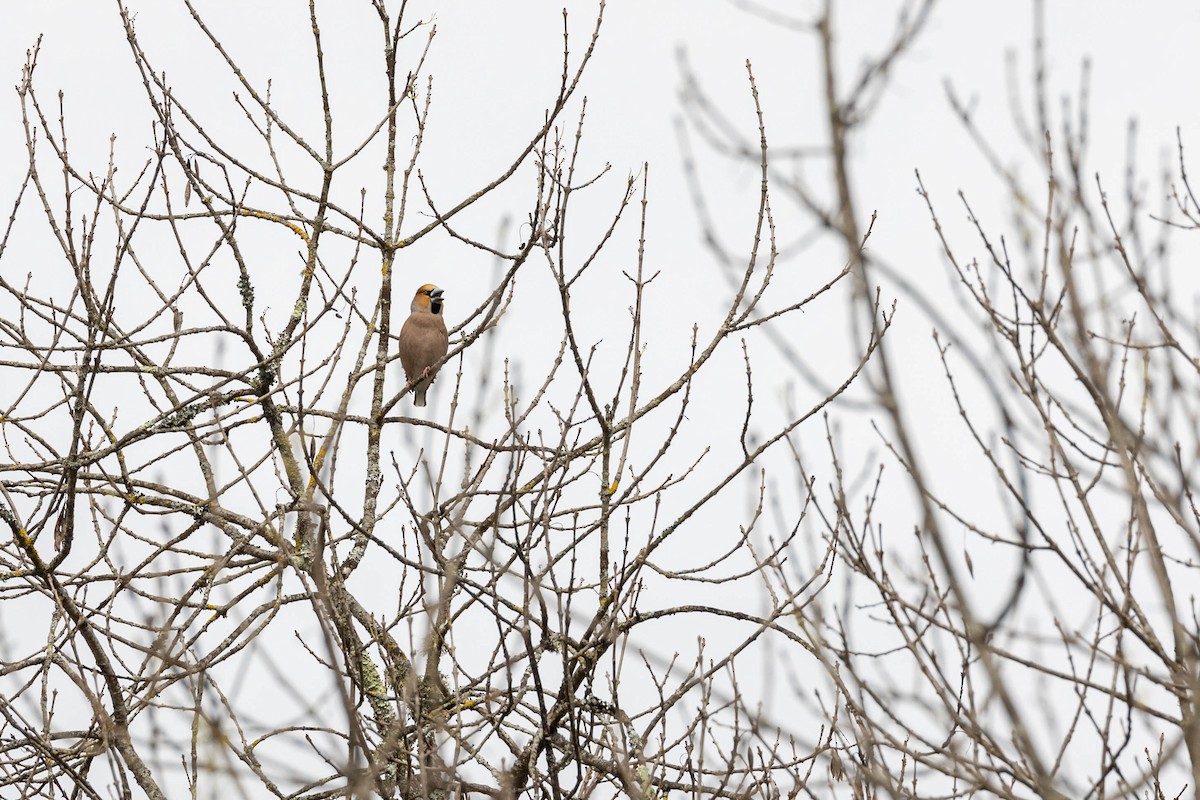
[(423, 340)]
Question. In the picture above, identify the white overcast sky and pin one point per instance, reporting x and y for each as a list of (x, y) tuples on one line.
[(496, 65), (495, 68)]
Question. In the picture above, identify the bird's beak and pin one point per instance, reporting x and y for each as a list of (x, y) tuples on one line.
[(436, 294)]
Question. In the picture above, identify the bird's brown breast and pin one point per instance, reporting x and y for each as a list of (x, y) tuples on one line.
[(423, 342)]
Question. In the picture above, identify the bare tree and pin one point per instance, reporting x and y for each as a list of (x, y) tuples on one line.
[(234, 566), (1067, 667)]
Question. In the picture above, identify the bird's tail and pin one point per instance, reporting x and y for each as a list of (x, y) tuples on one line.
[(419, 394)]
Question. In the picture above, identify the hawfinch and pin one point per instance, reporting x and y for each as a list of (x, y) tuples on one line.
[(423, 340)]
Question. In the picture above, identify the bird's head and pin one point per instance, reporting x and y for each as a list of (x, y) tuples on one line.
[(428, 298)]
